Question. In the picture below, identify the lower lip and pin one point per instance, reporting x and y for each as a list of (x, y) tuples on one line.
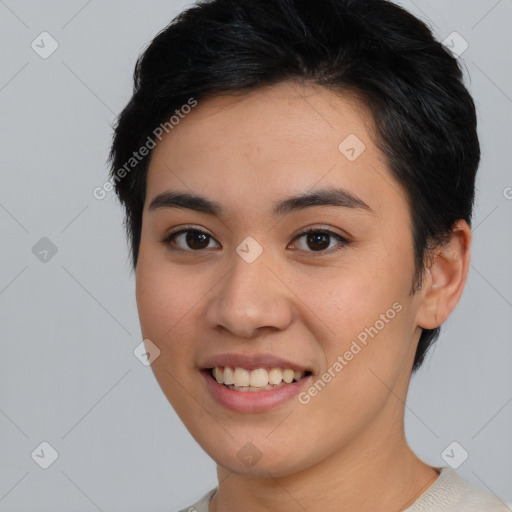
[(252, 401)]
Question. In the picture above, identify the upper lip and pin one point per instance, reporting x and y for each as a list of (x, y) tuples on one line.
[(252, 362)]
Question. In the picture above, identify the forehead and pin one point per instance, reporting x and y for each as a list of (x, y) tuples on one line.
[(270, 143)]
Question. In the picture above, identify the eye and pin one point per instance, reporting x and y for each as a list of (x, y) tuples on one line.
[(191, 239), (320, 239)]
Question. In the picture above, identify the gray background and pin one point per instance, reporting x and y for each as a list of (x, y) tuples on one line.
[(69, 324)]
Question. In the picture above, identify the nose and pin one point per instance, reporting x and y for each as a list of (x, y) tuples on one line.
[(251, 298)]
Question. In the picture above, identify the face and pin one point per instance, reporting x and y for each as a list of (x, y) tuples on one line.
[(238, 282)]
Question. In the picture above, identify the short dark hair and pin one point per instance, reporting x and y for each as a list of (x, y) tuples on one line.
[(424, 116)]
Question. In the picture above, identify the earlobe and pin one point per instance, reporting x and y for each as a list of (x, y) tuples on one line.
[(446, 278)]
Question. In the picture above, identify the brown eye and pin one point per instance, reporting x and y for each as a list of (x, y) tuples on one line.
[(196, 239), (188, 240), (318, 240)]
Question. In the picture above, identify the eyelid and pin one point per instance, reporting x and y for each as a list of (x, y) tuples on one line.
[(188, 227), (322, 228)]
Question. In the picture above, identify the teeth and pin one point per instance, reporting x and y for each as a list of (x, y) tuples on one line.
[(257, 379), (288, 375), (217, 373), (241, 377), (227, 376), (275, 376)]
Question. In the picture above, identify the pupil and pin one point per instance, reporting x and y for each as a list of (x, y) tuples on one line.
[(315, 238), (193, 236)]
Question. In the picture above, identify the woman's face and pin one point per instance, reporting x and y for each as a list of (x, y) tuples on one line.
[(246, 281)]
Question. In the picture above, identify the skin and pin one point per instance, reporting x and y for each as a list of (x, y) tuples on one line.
[(345, 450)]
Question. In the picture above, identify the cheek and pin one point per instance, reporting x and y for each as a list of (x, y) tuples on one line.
[(362, 315), (349, 299), (165, 311), (164, 301)]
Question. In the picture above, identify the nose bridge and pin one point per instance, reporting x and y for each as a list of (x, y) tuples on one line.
[(250, 296)]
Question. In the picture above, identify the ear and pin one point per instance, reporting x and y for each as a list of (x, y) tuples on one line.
[(445, 279)]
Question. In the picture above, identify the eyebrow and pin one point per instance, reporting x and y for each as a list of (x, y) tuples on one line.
[(330, 196)]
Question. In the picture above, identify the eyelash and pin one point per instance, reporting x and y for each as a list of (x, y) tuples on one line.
[(167, 241)]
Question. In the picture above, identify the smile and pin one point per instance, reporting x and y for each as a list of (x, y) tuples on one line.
[(252, 391), (259, 379)]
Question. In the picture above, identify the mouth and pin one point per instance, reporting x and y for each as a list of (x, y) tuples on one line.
[(255, 380)]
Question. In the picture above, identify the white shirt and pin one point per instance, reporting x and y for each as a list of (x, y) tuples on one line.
[(449, 493)]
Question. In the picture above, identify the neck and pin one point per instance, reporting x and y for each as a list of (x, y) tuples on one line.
[(373, 472)]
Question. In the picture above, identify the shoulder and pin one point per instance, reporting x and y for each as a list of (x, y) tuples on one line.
[(202, 504), (451, 493)]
